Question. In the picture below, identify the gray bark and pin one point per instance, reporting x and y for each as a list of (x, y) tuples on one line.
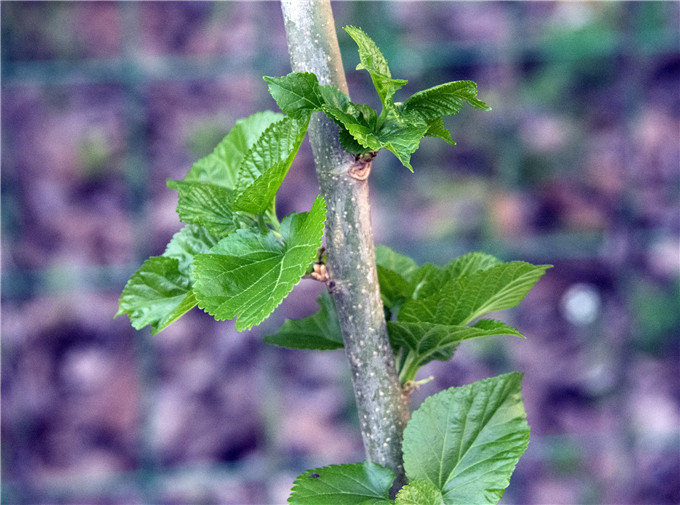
[(353, 283)]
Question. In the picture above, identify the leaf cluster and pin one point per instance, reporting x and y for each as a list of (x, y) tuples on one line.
[(235, 259), (430, 309), (398, 128), (460, 447)]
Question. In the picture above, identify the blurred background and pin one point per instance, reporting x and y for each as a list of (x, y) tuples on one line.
[(578, 165)]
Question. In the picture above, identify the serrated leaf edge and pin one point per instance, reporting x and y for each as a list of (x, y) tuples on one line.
[(297, 483), (238, 326)]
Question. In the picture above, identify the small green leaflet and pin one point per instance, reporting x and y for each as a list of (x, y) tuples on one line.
[(402, 127), (435, 305), (360, 122), (297, 94), (222, 165), (391, 260), (443, 100), (266, 164), (157, 294), (466, 441), (394, 276), (430, 279), (436, 128), (373, 60), (320, 331), (400, 278), (187, 243), (206, 195), (426, 342), (248, 273), (160, 291), (463, 299), (398, 128), (402, 138), (207, 205), (357, 484), (419, 492)]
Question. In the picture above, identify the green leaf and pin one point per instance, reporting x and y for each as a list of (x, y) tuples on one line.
[(436, 128), (421, 116), (359, 121), (358, 484), (159, 292), (334, 98), (363, 136), (425, 342), (320, 331), (187, 243), (443, 100), (399, 128), (222, 165), (373, 60), (207, 205), (466, 441), (496, 288), (247, 274), (463, 299), (430, 341), (491, 327), (297, 94), (350, 144), (470, 263), (394, 289), (394, 273), (402, 139), (419, 492), (430, 279), (391, 260), (267, 163), (435, 305)]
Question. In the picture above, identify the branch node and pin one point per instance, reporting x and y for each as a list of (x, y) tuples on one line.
[(361, 168), (319, 271), (414, 385)]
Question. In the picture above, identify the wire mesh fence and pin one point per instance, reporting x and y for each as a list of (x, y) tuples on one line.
[(578, 165)]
